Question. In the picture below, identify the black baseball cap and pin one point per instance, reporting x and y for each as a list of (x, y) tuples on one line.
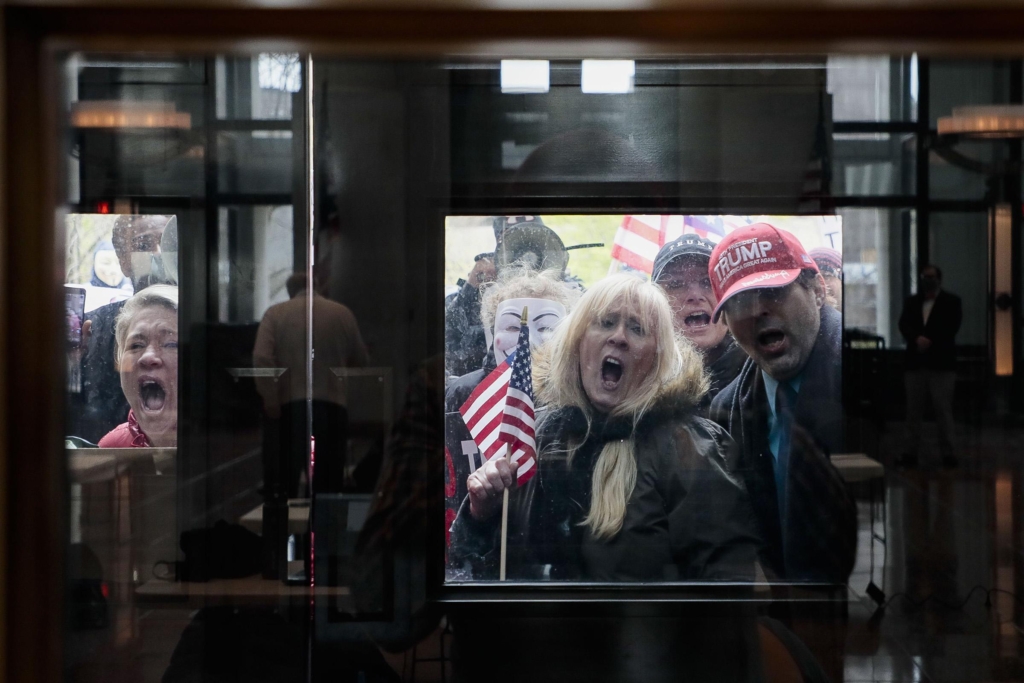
[(687, 245)]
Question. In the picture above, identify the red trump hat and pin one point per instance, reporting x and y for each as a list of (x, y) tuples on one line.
[(753, 257)]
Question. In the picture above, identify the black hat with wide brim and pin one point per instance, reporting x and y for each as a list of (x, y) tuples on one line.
[(532, 245)]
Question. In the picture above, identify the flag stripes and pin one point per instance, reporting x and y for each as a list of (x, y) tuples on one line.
[(500, 415)]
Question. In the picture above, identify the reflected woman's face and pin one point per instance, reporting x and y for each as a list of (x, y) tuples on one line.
[(149, 373), (616, 355)]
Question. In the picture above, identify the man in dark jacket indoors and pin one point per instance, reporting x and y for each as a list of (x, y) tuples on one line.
[(784, 408), (929, 323)]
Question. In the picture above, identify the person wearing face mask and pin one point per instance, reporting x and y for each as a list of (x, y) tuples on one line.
[(521, 242), (681, 269), (548, 300), (785, 407), (106, 271), (502, 302), (631, 484), (929, 323), (101, 405), (147, 360)]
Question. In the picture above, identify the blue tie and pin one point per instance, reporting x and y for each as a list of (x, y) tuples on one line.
[(785, 400)]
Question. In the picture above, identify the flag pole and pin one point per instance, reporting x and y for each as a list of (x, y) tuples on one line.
[(525, 320), (504, 532)]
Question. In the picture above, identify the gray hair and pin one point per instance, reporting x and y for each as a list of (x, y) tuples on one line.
[(523, 283), (165, 296)]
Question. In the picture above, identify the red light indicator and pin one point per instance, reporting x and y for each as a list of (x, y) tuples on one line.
[(105, 589), (103, 207)]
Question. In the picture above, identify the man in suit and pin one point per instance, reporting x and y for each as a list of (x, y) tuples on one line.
[(929, 323), (784, 408), (785, 412)]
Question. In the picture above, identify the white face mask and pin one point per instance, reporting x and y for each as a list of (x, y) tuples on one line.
[(544, 315)]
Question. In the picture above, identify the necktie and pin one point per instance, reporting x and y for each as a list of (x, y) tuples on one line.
[(785, 400)]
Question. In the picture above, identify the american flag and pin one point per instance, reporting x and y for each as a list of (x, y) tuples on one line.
[(499, 412), (639, 238)]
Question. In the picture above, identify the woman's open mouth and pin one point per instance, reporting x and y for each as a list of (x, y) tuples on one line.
[(611, 372), (153, 394), (772, 341), (697, 320)]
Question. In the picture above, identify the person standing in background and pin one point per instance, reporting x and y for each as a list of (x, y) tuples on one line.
[(929, 323), (281, 342)]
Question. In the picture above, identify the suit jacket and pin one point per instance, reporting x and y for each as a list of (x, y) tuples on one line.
[(943, 324), (818, 539)]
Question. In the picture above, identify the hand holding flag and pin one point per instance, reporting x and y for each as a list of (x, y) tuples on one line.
[(500, 416)]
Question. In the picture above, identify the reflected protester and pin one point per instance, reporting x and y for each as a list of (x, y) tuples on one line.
[(140, 248), (785, 407), (146, 333), (830, 265), (632, 484)]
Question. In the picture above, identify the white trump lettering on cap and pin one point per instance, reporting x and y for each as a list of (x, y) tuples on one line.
[(740, 256)]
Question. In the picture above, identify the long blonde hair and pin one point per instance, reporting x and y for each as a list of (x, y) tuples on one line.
[(677, 366)]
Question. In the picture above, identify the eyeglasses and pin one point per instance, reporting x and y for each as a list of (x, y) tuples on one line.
[(746, 302), (673, 284)]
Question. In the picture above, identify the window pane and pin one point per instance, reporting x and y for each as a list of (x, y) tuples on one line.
[(875, 262), (257, 162), (180, 242), (873, 164), (335, 314), (872, 88), (261, 87)]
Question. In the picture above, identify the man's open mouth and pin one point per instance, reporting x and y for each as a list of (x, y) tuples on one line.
[(611, 372), (699, 319), (772, 340), (153, 394)]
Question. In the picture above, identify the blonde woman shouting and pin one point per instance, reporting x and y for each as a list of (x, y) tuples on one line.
[(632, 484)]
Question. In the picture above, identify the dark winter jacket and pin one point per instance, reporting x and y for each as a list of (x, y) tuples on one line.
[(818, 539), (101, 406), (465, 344), (687, 518), (729, 360)]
